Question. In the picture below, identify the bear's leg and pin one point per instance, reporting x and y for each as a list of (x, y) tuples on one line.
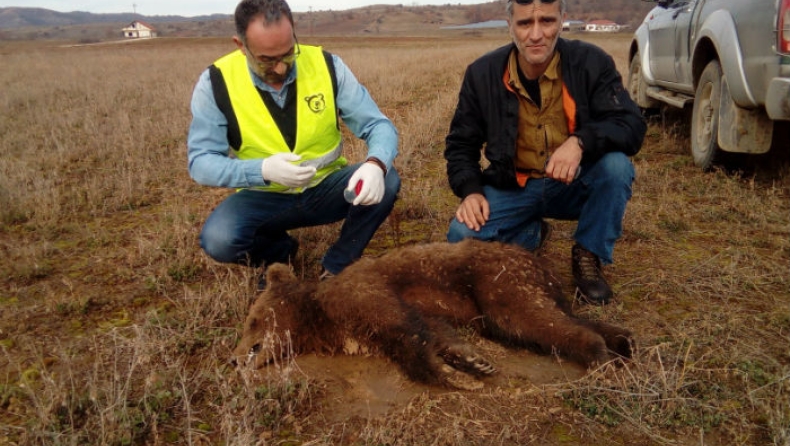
[(411, 344), (548, 331), (579, 344), (618, 340), (456, 352), (383, 321), (537, 316)]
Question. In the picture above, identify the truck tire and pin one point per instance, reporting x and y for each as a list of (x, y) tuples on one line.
[(705, 118), (637, 86)]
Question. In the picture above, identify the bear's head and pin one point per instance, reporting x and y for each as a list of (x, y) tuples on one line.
[(282, 316)]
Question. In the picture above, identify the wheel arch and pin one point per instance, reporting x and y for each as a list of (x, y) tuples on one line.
[(641, 44), (718, 36), (632, 50)]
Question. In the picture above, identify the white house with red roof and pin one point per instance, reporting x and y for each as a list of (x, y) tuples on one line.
[(605, 26), (139, 30)]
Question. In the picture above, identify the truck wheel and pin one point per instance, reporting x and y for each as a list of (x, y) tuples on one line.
[(705, 118), (637, 86)]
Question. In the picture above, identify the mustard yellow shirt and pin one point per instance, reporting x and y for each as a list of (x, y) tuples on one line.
[(540, 130)]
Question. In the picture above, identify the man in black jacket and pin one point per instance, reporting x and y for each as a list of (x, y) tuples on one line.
[(557, 128)]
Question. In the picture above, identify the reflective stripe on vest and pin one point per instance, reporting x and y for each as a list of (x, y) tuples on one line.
[(318, 138)]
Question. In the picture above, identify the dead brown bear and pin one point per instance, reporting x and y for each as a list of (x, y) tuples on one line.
[(406, 303)]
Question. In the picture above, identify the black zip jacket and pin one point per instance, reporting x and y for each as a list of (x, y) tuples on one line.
[(607, 120)]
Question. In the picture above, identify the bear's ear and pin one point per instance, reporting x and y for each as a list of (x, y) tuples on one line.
[(279, 273)]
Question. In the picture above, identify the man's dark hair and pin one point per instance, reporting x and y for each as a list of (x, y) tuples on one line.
[(272, 10), (509, 6)]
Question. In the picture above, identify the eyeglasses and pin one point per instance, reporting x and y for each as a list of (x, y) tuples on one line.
[(269, 62), (529, 2)]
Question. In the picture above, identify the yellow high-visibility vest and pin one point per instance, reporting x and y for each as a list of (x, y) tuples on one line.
[(318, 137)]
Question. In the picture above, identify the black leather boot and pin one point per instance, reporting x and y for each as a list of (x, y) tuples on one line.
[(591, 286)]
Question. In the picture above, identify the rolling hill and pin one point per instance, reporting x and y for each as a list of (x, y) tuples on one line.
[(17, 23)]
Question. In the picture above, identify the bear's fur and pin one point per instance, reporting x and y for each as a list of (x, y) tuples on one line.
[(407, 302)]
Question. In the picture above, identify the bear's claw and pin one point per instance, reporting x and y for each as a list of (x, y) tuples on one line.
[(467, 361)]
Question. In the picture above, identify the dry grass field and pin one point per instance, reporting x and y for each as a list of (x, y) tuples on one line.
[(115, 329)]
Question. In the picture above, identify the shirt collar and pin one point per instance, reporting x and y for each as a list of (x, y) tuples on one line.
[(552, 71)]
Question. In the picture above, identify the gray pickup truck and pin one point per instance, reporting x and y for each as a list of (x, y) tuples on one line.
[(730, 59)]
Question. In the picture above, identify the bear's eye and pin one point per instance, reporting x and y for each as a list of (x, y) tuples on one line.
[(253, 352)]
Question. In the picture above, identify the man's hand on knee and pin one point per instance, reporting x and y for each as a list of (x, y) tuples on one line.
[(563, 165), (473, 211)]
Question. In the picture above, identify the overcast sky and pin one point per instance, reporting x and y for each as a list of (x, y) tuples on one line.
[(189, 8)]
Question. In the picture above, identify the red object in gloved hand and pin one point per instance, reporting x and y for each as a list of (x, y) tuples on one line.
[(350, 195)]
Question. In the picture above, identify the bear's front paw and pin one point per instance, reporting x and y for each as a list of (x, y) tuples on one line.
[(463, 358)]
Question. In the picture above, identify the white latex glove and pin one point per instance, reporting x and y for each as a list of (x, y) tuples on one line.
[(279, 168), (372, 178)]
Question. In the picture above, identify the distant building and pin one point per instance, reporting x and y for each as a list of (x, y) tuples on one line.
[(603, 26), (139, 30), (480, 25), (573, 25)]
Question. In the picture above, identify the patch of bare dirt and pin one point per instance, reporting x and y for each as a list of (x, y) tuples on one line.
[(371, 386)]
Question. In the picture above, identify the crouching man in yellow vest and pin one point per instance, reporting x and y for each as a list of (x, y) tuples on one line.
[(265, 120)]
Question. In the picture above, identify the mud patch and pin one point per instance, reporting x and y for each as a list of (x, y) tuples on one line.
[(359, 386), (369, 386)]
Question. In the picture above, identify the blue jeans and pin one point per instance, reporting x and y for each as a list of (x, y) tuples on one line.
[(597, 199), (251, 226)]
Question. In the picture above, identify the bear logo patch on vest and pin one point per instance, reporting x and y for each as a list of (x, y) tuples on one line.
[(316, 102)]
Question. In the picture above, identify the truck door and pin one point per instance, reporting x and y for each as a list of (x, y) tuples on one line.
[(668, 28)]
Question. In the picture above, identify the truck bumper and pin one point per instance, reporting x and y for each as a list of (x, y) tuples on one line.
[(777, 101)]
